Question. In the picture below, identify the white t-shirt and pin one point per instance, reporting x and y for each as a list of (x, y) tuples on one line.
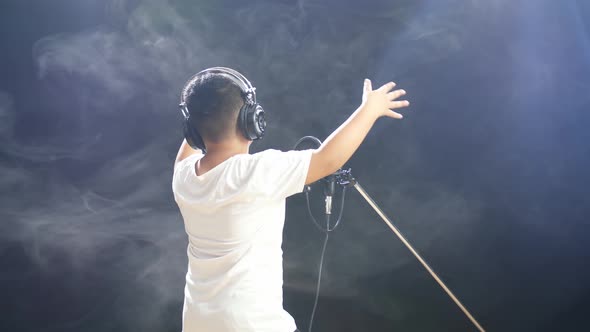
[(234, 216)]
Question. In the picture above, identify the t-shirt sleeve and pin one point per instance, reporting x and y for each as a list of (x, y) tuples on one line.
[(278, 174)]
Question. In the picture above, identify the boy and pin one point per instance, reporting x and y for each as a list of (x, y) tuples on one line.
[(233, 203)]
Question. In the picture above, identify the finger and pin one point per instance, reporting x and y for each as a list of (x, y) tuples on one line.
[(387, 87), (399, 104), (395, 115), (367, 85), (396, 94)]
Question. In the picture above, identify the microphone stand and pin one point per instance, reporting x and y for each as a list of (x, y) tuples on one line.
[(345, 178)]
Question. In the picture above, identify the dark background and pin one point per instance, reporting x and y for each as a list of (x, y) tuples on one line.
[(486, 175)]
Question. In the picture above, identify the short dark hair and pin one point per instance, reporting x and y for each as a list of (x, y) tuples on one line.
[(213, 101)]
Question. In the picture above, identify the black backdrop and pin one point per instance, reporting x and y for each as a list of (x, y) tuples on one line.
[(486, 174)]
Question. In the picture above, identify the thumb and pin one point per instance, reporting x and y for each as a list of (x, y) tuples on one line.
[(367, 87)]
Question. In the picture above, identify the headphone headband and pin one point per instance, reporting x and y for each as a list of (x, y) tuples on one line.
[(248, 91)]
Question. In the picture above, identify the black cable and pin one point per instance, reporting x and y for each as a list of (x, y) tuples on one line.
[(308, 138), (315, 222), (326, 231), (317, 291), (341, 210)]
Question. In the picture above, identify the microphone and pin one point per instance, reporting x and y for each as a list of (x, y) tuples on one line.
[(329, 181), (329, 191)]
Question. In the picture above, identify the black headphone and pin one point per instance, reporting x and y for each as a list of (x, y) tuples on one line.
[(251, 119)]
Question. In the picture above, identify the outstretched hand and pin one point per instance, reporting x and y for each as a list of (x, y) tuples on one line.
[(382, 101)]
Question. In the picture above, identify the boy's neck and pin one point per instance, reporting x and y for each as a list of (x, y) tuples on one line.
[(217, 153), (224, 154)]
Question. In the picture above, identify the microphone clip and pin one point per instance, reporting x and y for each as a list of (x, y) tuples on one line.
[(344, 178)]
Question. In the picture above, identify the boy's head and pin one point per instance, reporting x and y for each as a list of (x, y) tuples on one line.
[(214, 101)]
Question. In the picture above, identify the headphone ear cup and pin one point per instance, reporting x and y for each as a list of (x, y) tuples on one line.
[(258, 122), (242, 123), (193, 138), (252, 121)]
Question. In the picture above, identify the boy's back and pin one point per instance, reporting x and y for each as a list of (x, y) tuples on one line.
[(234, 216)]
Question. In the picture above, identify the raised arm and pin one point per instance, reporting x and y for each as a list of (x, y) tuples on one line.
[(184, 151), (345, 140)]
